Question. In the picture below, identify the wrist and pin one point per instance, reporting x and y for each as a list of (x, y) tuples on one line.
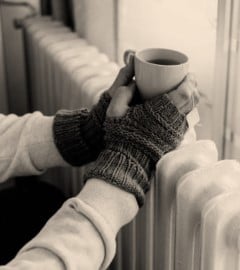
[(78, 134), (125, 167), (115, 205)]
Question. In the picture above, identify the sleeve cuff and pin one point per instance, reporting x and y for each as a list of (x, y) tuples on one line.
[(115, 205), (40, 143)]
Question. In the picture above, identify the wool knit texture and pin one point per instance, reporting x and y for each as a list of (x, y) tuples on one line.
[(78, 134), (135, 143)]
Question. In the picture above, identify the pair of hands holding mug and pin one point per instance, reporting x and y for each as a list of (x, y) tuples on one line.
[(125, 140), (185, 97), (137, 136)]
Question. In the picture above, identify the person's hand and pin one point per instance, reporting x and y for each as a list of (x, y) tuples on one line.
[(78, 134), (138, 136), (186, 93), (185, 97)]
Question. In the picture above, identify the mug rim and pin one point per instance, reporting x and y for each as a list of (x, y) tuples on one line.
[(140, 58)]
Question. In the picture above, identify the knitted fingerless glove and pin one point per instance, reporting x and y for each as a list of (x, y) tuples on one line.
[(135, 142), (78, 134)]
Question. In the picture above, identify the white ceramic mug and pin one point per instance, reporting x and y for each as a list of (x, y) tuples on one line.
[(158, 70)]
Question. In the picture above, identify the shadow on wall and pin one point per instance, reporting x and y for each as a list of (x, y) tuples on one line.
[(3, 93), (13, 52), (24, 212)]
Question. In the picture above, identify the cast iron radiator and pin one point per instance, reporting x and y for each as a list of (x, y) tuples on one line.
[(185, 223)]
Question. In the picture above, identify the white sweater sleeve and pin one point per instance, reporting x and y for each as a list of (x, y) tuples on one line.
[(81, 235), (26, 145)]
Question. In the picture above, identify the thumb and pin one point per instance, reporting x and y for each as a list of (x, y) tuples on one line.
[(120, 101), (124, 76)]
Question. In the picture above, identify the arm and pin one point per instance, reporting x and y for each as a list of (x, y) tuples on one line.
[(33, 143), (82, 234)]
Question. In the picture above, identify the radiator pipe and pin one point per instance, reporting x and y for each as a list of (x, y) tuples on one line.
[(18, 23)]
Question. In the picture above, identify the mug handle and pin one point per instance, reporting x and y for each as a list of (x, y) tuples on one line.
[(126, 56)]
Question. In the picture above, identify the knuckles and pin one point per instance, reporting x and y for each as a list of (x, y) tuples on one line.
[(196, 97), (186, 94)]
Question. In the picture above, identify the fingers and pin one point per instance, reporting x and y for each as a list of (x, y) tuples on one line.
[(124, 76), (119, 103), (186, 96)]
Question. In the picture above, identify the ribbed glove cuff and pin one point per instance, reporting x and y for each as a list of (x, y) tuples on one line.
[(136, 141), (78, 134), (125, 167)]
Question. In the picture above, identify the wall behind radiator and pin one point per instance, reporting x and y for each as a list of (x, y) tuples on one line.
[(3, 94), (14, 58), (94, 21)]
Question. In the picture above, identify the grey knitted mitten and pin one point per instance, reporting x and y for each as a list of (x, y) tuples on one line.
[(78, 134), (135, 142)]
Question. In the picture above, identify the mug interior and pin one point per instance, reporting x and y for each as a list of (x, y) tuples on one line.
[(149, 55)]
